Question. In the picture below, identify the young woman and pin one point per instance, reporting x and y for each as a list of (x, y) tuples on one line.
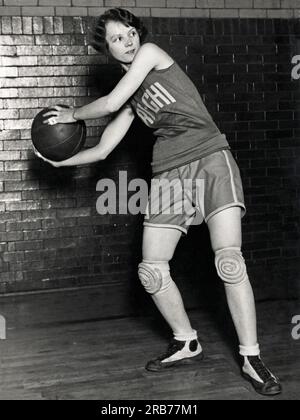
[(189, 146)]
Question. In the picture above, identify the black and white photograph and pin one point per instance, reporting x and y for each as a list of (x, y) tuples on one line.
[(149, 203)]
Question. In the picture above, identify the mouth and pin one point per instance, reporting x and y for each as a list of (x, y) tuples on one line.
[(131, 52)]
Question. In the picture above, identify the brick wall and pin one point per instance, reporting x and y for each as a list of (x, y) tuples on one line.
[(273, 9), (50, 233)]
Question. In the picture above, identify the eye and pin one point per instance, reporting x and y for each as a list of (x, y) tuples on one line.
[(133, 33)]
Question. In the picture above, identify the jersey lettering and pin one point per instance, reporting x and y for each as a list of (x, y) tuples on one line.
[(153, 100)]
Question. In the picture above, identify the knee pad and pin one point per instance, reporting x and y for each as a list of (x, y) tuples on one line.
[(231, 266), (155, 276)]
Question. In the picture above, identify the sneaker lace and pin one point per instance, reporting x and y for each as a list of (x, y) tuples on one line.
[(260, 369)]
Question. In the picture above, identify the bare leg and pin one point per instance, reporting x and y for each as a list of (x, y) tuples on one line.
[(225, 232), (159, 244), (158, 249)]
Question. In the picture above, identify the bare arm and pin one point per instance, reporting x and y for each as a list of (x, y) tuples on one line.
[(148, 57), (111, 137)]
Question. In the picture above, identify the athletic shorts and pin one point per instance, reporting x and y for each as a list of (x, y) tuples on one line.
[(195, 192)]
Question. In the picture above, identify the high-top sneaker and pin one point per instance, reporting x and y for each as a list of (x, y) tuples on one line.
[(178, 352), (262, 379)]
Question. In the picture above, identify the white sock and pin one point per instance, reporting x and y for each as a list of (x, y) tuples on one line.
[(249, 350), (186, 337)]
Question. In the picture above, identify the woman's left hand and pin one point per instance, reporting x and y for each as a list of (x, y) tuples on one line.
[(51, 162), (59, 115)]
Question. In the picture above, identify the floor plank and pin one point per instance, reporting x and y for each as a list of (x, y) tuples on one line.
[(104, 359)]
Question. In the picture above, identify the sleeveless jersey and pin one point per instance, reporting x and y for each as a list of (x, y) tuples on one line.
[(169, 103)]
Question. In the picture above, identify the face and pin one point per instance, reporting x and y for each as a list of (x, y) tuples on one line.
[(123, 42)]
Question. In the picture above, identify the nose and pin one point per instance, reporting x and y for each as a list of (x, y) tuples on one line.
[(129, 42)]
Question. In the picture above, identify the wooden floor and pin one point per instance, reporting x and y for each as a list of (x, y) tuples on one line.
[(104, 359)]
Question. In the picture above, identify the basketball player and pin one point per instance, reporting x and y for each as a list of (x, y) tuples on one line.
[(188, 146)]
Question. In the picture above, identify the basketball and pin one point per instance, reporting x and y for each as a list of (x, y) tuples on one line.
[(57, 142)]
